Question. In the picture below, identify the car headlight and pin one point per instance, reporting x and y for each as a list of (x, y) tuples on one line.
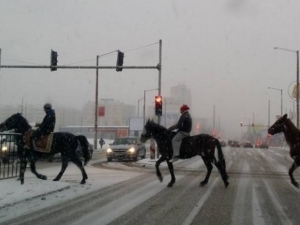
[(4, 149), (131, 150), (109, 150)]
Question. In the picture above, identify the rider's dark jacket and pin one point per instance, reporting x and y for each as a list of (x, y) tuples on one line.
[(184, 123), (47, 125)]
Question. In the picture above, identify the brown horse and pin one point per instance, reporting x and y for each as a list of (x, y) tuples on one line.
[(201, 144), (292, 137)]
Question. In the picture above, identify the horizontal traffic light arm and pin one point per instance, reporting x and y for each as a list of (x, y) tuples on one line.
[(81, 67)]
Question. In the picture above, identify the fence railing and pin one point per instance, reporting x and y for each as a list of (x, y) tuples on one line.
[(9, 160)]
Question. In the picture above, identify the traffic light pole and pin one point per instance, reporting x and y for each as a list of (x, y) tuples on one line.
[(54, 68)]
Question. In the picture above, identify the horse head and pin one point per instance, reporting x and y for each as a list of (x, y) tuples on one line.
[(278, 126), (153, 130), (16, 122)]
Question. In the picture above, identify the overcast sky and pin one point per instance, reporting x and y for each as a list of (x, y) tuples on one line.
[(223, 50)]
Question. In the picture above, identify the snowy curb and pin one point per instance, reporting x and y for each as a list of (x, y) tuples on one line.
[(35, 197)]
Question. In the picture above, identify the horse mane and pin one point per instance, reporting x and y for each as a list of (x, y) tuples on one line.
[(158, 126), (290, 124)]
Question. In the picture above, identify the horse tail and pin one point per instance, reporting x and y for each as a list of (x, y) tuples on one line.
[(220, 154), (85, 147)]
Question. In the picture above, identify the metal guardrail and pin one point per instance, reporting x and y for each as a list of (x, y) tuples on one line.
[(9, 160)]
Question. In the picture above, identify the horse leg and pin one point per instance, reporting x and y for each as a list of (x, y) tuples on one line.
[(33, 170), (222, 172), (209, 169), (171, 169), (291, 170), (158, 173), (64, 165), (78, 163), (22, 169)]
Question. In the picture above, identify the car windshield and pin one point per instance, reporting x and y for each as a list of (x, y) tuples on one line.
[(125, 141), (7, 138)]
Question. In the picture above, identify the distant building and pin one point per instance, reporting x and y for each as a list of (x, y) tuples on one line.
[(115, 113)]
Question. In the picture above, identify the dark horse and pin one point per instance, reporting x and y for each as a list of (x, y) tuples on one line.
[(202, 144), (292, 137), (67, 144)]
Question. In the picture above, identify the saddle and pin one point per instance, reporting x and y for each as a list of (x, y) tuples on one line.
[(43, 144)]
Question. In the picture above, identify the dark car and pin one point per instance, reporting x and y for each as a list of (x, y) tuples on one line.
[(264, 145), (126, 148), (248, 145), (235, 144), (223, 143)]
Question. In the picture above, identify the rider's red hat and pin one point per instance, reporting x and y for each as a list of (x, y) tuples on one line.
[(184, 107)]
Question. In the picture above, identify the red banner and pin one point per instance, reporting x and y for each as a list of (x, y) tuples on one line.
[(101, 111)]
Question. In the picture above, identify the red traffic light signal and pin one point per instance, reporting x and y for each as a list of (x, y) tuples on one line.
[(158, 105)]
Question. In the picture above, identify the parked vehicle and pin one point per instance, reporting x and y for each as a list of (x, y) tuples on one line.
[(264, 145), (223, 143), (248, 145), (126, 148), (235, 144), (9, 148)]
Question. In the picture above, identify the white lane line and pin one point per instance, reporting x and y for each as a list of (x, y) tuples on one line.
[(258, 218), (189, 219), (122, 205), (240, 198), (282, 216)]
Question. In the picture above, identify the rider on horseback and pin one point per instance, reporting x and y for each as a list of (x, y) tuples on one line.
[(184, 126), (44, 128)]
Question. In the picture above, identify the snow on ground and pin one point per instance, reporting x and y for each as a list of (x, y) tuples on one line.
[(34, 194)]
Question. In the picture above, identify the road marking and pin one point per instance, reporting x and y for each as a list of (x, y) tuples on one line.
[(256, 210), (122, 205), (189, 219), (280, 212)]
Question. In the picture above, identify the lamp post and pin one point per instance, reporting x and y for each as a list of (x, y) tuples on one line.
[(138, 108), (144, 107), (297, 79), (281, 95)]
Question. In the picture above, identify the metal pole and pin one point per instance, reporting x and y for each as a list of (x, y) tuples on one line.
[(281, 101), (144, 107), (269, 114), (159, 80), (297, 89), (96, 106), (159, 74)]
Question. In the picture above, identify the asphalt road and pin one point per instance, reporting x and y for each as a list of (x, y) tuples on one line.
[(259, 193)]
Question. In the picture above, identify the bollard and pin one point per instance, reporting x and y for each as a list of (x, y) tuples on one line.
[(152, 149)]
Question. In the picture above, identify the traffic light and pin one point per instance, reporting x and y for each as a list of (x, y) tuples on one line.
[(252, 124), (120, 61), (241, 124), (53, 60), (158, 105)]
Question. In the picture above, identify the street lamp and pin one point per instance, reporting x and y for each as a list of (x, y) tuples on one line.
[(144, 108), (297, 80), (281, 95), (138, 109)]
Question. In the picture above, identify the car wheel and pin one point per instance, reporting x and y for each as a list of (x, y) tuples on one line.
[(109, 159)]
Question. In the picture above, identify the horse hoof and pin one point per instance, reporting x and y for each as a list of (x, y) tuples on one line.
[(160, 179), (170, 184), (226, 184), (82, 182), (203, 183), (56, 179), (295, 184), (43, 177)]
